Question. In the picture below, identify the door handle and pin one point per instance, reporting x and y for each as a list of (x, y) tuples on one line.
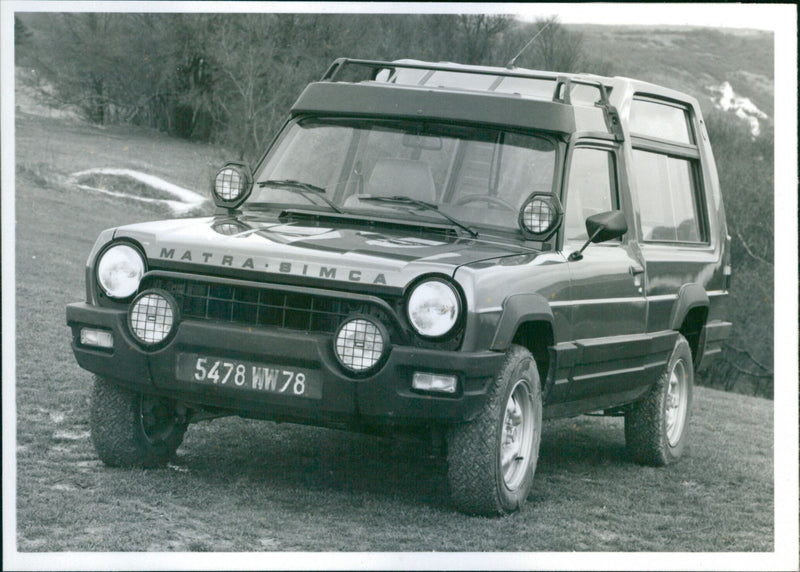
[(636, 272)]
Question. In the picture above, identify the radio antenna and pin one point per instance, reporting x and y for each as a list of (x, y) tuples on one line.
[(510, 64)]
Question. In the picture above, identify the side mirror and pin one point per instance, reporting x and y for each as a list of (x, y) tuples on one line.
[(602, 227), (606, 226)]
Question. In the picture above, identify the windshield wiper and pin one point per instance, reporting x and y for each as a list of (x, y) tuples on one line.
[(302, 188), (401, 200)]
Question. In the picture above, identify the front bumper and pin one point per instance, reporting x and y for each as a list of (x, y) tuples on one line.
[(383, 398)]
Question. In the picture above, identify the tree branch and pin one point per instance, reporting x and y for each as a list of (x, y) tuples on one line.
[(750, 373), (750, 252), (750, 357)]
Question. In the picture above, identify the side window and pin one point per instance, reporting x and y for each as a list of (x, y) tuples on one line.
[(591, 189), (668, 197), (660, 120), (666, 172)]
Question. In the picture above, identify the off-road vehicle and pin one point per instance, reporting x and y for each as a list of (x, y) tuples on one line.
[(447, 250)]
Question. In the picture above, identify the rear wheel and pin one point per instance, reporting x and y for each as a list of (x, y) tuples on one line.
[(656, 428), (134, 430), (492, 459)]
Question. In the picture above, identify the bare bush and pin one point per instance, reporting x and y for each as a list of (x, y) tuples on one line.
[(746, 171), (226, 78), (547, 45)]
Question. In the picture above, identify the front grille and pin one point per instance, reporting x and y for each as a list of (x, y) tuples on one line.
[(267, 307)]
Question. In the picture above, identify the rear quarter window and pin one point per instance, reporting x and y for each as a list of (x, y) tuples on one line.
[(660, 120)]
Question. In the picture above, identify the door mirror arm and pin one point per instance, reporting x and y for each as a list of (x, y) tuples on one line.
[(602, 227), (578, 254)]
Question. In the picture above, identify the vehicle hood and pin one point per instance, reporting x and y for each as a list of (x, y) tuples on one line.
[(311, 249)]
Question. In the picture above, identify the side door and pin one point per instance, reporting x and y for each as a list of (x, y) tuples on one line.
[(608, 308)]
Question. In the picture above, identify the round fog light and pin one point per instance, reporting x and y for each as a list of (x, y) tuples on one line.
[(359, 344), (152, 317)]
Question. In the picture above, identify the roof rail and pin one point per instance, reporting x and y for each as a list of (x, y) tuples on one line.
[(561, 92), (335, 69)]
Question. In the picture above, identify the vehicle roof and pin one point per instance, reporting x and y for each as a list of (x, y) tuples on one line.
[(610, 83), (503, 97)]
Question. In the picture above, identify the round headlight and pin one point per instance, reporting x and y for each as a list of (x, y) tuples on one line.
[(232, 185), (433, 308), (540, 215), (359, 344), (119, 270), (152, 316)]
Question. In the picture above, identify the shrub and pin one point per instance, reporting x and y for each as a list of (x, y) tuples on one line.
[(746, 171)]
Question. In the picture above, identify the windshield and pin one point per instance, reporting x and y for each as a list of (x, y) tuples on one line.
[(475, 175)]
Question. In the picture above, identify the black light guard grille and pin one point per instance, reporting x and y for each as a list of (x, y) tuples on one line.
[(292, 308)]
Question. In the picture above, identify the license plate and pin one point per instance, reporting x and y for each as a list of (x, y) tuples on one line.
[(249, 376)]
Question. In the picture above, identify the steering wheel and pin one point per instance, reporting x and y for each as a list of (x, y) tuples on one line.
[(486, 199)]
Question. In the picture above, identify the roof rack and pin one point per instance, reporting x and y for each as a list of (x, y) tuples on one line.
[(561, 92)]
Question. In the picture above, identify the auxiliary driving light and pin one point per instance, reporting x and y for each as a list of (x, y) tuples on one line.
[(229, 184), (97, 338), (360, 344), (232, 185), (540, 215), (152, 317), (423, 381)]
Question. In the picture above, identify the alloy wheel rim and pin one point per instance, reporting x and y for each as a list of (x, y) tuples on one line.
[(676, 405), (517, 436)]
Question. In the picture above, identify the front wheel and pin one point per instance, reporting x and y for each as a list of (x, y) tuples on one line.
[(656, 428), (492, 459), (134, 430)]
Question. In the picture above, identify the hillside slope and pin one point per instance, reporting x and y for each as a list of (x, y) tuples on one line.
[(693, 60)]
